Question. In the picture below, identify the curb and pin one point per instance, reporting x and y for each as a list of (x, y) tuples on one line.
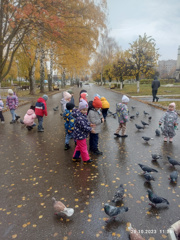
[(158, 106)]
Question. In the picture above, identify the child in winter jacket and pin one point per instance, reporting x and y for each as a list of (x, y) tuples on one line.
[(1, 108), (12, 104), (105, 107), (40, 111), (170, 119), (29, 119), (69, 124), (81, 130), (122, 113), (95, 118), (66, 98)]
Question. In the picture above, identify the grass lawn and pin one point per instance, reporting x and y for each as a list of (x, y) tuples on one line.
[(145, 89)]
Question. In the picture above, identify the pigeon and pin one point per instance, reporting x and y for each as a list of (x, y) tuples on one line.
[(137, 114), (147, 139), (132, 117), (59, 207), (146, 168), (156, 156), (56, 108), (174, 176), (118, 196), (112, 211), (139, 127), (155, 199), (150, 118), (173, 161), (133, 108), (146, 113), (148, 177), (144, 123), (158, 133)]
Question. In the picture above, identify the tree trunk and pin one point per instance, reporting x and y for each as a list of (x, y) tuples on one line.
[(32, 75), (51, 70), (42, 71), (138, 87)]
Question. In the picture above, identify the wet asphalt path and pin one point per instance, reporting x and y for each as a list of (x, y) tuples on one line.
[(35, 168)]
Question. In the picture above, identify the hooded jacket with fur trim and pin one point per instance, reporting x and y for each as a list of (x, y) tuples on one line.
[(29, 117)]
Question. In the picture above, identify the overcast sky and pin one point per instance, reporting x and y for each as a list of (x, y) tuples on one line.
[(157, 18)]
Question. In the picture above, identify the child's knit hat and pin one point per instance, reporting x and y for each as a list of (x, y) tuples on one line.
[(83, 104), (10, 91), (70, 106), (45, 97), (173, 104), (66, 95), (97, 103), (125, 99), (84, 96)]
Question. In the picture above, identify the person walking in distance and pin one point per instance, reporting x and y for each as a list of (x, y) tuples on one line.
[(155, 85)]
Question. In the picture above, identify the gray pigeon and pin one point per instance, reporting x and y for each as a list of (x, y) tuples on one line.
[(158, 133), (112, 211), (146, 168), (118, 196), (137, 114), (155, 199), (146, 113), (148, 177), (144, 123), (133, 108), (132, 117), (139, 127), (174, 176), (147, 139), (173, 161), (150, 118), (155, 156), (56, 108)]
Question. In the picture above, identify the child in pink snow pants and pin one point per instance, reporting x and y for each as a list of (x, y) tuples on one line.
[(81, 130)]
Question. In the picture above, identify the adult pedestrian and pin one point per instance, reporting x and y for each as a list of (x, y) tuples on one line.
[(155, 85)]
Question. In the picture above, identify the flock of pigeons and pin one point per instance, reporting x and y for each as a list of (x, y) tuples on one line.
[(113, 211)]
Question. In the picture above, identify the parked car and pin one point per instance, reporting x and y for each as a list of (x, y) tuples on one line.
[(55, 87)]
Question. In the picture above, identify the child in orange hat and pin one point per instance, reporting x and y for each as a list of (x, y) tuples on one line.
[(95, 118)]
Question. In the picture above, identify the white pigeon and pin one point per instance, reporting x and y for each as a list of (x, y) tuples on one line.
[(59, 207)]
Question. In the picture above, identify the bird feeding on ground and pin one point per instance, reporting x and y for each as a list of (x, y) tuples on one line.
[(146, 168), (132, 117), (155, 156), (118, 196), (156, 199), (133, 108), (148, 177), (112, 211), (158, 133), (147, 139), (172, 161), (139, 127), (56, 108), (174, 176), (146, 113), (59, 207), (144, 123), (137, 114)]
